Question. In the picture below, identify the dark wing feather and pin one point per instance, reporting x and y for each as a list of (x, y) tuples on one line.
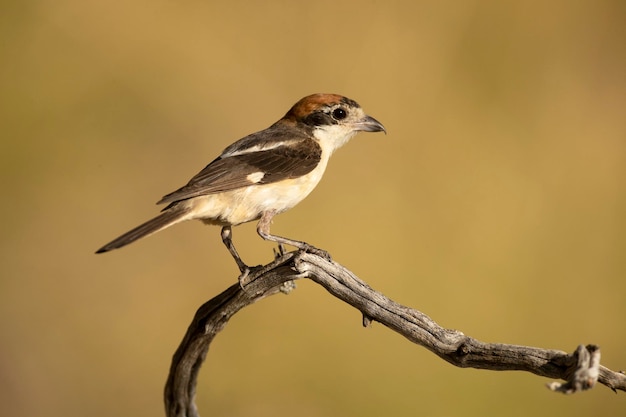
[(291, 160)]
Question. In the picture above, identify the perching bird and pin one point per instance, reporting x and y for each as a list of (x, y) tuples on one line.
[(263, 174)]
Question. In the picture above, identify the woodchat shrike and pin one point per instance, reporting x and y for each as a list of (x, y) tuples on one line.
[(263, 174)]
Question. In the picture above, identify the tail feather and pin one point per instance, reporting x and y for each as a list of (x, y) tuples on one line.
[(162, 221)]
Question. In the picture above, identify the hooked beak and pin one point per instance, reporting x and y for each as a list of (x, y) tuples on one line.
[(369, 124)]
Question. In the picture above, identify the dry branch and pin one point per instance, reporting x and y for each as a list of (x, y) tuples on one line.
[(580, 370)]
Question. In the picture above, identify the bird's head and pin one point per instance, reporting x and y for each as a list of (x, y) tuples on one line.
[(333, 119)]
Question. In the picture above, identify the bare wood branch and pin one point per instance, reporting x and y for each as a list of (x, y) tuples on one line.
[(580, 369)]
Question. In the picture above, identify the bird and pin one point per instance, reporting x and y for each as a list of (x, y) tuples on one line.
[(263, 174)]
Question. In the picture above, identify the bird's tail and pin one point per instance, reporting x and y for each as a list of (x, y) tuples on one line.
[(166, 219)]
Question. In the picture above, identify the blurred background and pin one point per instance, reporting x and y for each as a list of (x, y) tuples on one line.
[(495, 204)]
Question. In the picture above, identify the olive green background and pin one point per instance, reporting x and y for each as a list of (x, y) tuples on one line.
[(495, 204)]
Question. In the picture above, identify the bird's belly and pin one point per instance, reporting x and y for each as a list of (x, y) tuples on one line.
[(248, 204)]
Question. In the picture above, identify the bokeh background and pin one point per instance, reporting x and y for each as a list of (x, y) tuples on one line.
[(496, 202)]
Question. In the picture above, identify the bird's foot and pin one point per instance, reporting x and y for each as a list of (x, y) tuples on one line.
[(247, 275), (280, 251), (244, 277), (316, 251)]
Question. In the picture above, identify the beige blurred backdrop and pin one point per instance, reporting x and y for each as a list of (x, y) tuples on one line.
[(495, 203)]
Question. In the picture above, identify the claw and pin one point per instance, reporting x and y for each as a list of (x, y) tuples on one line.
[(242, 278), (316, 251)]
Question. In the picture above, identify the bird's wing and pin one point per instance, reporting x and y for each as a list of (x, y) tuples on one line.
[(254, 165)]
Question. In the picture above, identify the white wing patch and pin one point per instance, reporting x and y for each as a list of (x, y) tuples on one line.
[(255, 177), (255, 148)]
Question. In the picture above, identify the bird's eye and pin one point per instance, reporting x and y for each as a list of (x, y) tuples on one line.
[(339, 114)]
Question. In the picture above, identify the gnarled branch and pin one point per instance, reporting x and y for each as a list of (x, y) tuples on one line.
[(580, 370)]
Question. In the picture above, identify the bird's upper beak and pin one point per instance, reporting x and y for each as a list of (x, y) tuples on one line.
[(369, 124)]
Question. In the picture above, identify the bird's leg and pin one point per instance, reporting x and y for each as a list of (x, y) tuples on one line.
[(263, 229), (228, 241)]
